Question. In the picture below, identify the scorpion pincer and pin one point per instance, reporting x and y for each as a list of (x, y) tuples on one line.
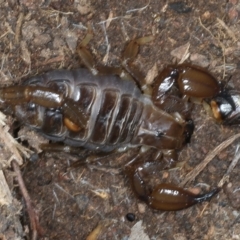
[(104, 112)]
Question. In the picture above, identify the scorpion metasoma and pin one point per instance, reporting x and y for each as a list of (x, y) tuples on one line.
[(86, 108)]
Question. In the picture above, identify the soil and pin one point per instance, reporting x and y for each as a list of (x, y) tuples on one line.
[(37, 36)]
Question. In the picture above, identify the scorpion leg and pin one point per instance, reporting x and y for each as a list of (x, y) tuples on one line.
[(84, 54), (129, 55), (163, 196), (88, 60), (128, 70)]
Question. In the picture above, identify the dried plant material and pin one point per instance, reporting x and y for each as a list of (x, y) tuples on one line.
[(105, 59), (36, 228), (141, 208), (181, 52), (71, 38), (11, 144), (2, 119), (30, 29), (228, 30), (42, 39), (97, 231), (137, 232), (193, 174), (18, 27), (200, 60), (31, 4), (84, 7), (127, 17), (105, 26), (218, 42), (10, 225), (179, 236), (152, 74), (5, 194), (138, 9), (34, 140), (233, 164), (9, 28), (230, 51), (4, 34), (26, 55), (206, 15), (102, 193), (55, 11), (109, 20), (58, 59)]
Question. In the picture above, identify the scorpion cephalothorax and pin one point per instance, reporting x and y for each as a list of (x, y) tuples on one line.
[(103, 112)]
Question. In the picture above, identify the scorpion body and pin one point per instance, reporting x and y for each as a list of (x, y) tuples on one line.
[(105, 112), (115, 112)]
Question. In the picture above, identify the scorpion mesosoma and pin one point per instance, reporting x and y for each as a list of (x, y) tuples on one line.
[(104, 112)]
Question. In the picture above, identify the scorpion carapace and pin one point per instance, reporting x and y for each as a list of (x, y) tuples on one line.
[(104, 112)]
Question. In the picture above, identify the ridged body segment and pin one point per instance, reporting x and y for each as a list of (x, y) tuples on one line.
[(101, 112), (113, 108)]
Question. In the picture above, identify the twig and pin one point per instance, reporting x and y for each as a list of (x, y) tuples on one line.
[(220, 44), (228, 30), (192, 175), (138, 9), (230, 168), (18, 27), (59, 58), (37, 230)]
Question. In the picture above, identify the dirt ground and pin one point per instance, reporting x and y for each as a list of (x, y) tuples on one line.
[(37, 36)]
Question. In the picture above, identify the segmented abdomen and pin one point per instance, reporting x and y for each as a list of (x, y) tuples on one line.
[(113, 108)]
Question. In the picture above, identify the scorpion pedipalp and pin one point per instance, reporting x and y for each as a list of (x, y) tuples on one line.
[(177, 83), (169, 197), (163, 196)]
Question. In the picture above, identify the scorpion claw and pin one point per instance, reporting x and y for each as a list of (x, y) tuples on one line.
[(164, 196), (169, 197)]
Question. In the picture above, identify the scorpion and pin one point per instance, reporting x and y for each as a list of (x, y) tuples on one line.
[(102, 108)]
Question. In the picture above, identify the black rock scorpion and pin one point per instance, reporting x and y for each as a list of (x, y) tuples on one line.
[(103, 109)]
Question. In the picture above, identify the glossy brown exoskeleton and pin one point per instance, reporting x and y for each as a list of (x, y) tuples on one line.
[(104, 112)]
